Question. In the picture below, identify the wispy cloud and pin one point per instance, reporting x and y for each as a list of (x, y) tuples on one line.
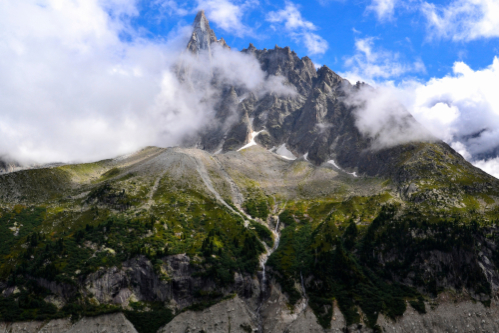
[(384, 9), (463, 20), (228, 15), (172, 7), (370, 63), (299, 29)]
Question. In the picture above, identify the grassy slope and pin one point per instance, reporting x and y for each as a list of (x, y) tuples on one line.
[(156, 203)]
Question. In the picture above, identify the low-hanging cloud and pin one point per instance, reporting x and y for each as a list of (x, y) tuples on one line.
[(381, 117), (73, 90), (461, 108)]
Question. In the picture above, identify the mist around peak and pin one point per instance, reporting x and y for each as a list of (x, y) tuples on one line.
[(381, 117), (75, 91)]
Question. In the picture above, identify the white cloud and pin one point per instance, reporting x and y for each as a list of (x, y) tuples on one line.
[(463, 19), (369, 64), (381, 117), (171, 7), (461, 149), (314, 43), (72, 90), (299, 28), (291, 17), (228, 15), (384, 9), (490, 166), (461, 108)]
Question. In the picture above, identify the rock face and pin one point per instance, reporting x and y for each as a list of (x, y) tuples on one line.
[(447, 317), (318, 121), (228, 316), (114, 323), (233, 316), (8, 165), (203, 36)]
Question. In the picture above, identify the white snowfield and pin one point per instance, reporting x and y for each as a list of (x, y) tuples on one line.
[(337, 167), (252, 141), (284, 152)]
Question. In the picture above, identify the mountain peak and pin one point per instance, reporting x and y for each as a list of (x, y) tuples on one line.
[(201, 22), (202, 35)]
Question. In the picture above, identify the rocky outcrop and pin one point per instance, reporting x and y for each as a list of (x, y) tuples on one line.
[(203, 36), (447, 314), (137, 280), (8, 165), (113, 323), (228, 316)]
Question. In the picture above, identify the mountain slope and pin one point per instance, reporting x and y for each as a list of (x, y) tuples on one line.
[(319, 121), (245, 237)]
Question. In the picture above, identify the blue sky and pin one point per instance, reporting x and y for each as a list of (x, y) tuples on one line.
[(401, 31)]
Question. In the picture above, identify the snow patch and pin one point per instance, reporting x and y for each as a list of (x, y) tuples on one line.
[(306, 157), (337, 167), (284, 152), (218, 152), (252, 141)]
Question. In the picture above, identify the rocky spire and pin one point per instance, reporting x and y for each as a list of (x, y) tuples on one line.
[(203, 36)]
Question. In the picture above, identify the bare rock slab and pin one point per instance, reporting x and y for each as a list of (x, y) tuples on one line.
[(227, 316)]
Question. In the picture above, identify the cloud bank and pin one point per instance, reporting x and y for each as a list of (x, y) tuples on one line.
[(382, 118), (461, 108), (73, 89)]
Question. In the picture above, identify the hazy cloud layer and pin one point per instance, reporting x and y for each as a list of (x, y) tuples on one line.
[(300, 29), (72, 90)]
